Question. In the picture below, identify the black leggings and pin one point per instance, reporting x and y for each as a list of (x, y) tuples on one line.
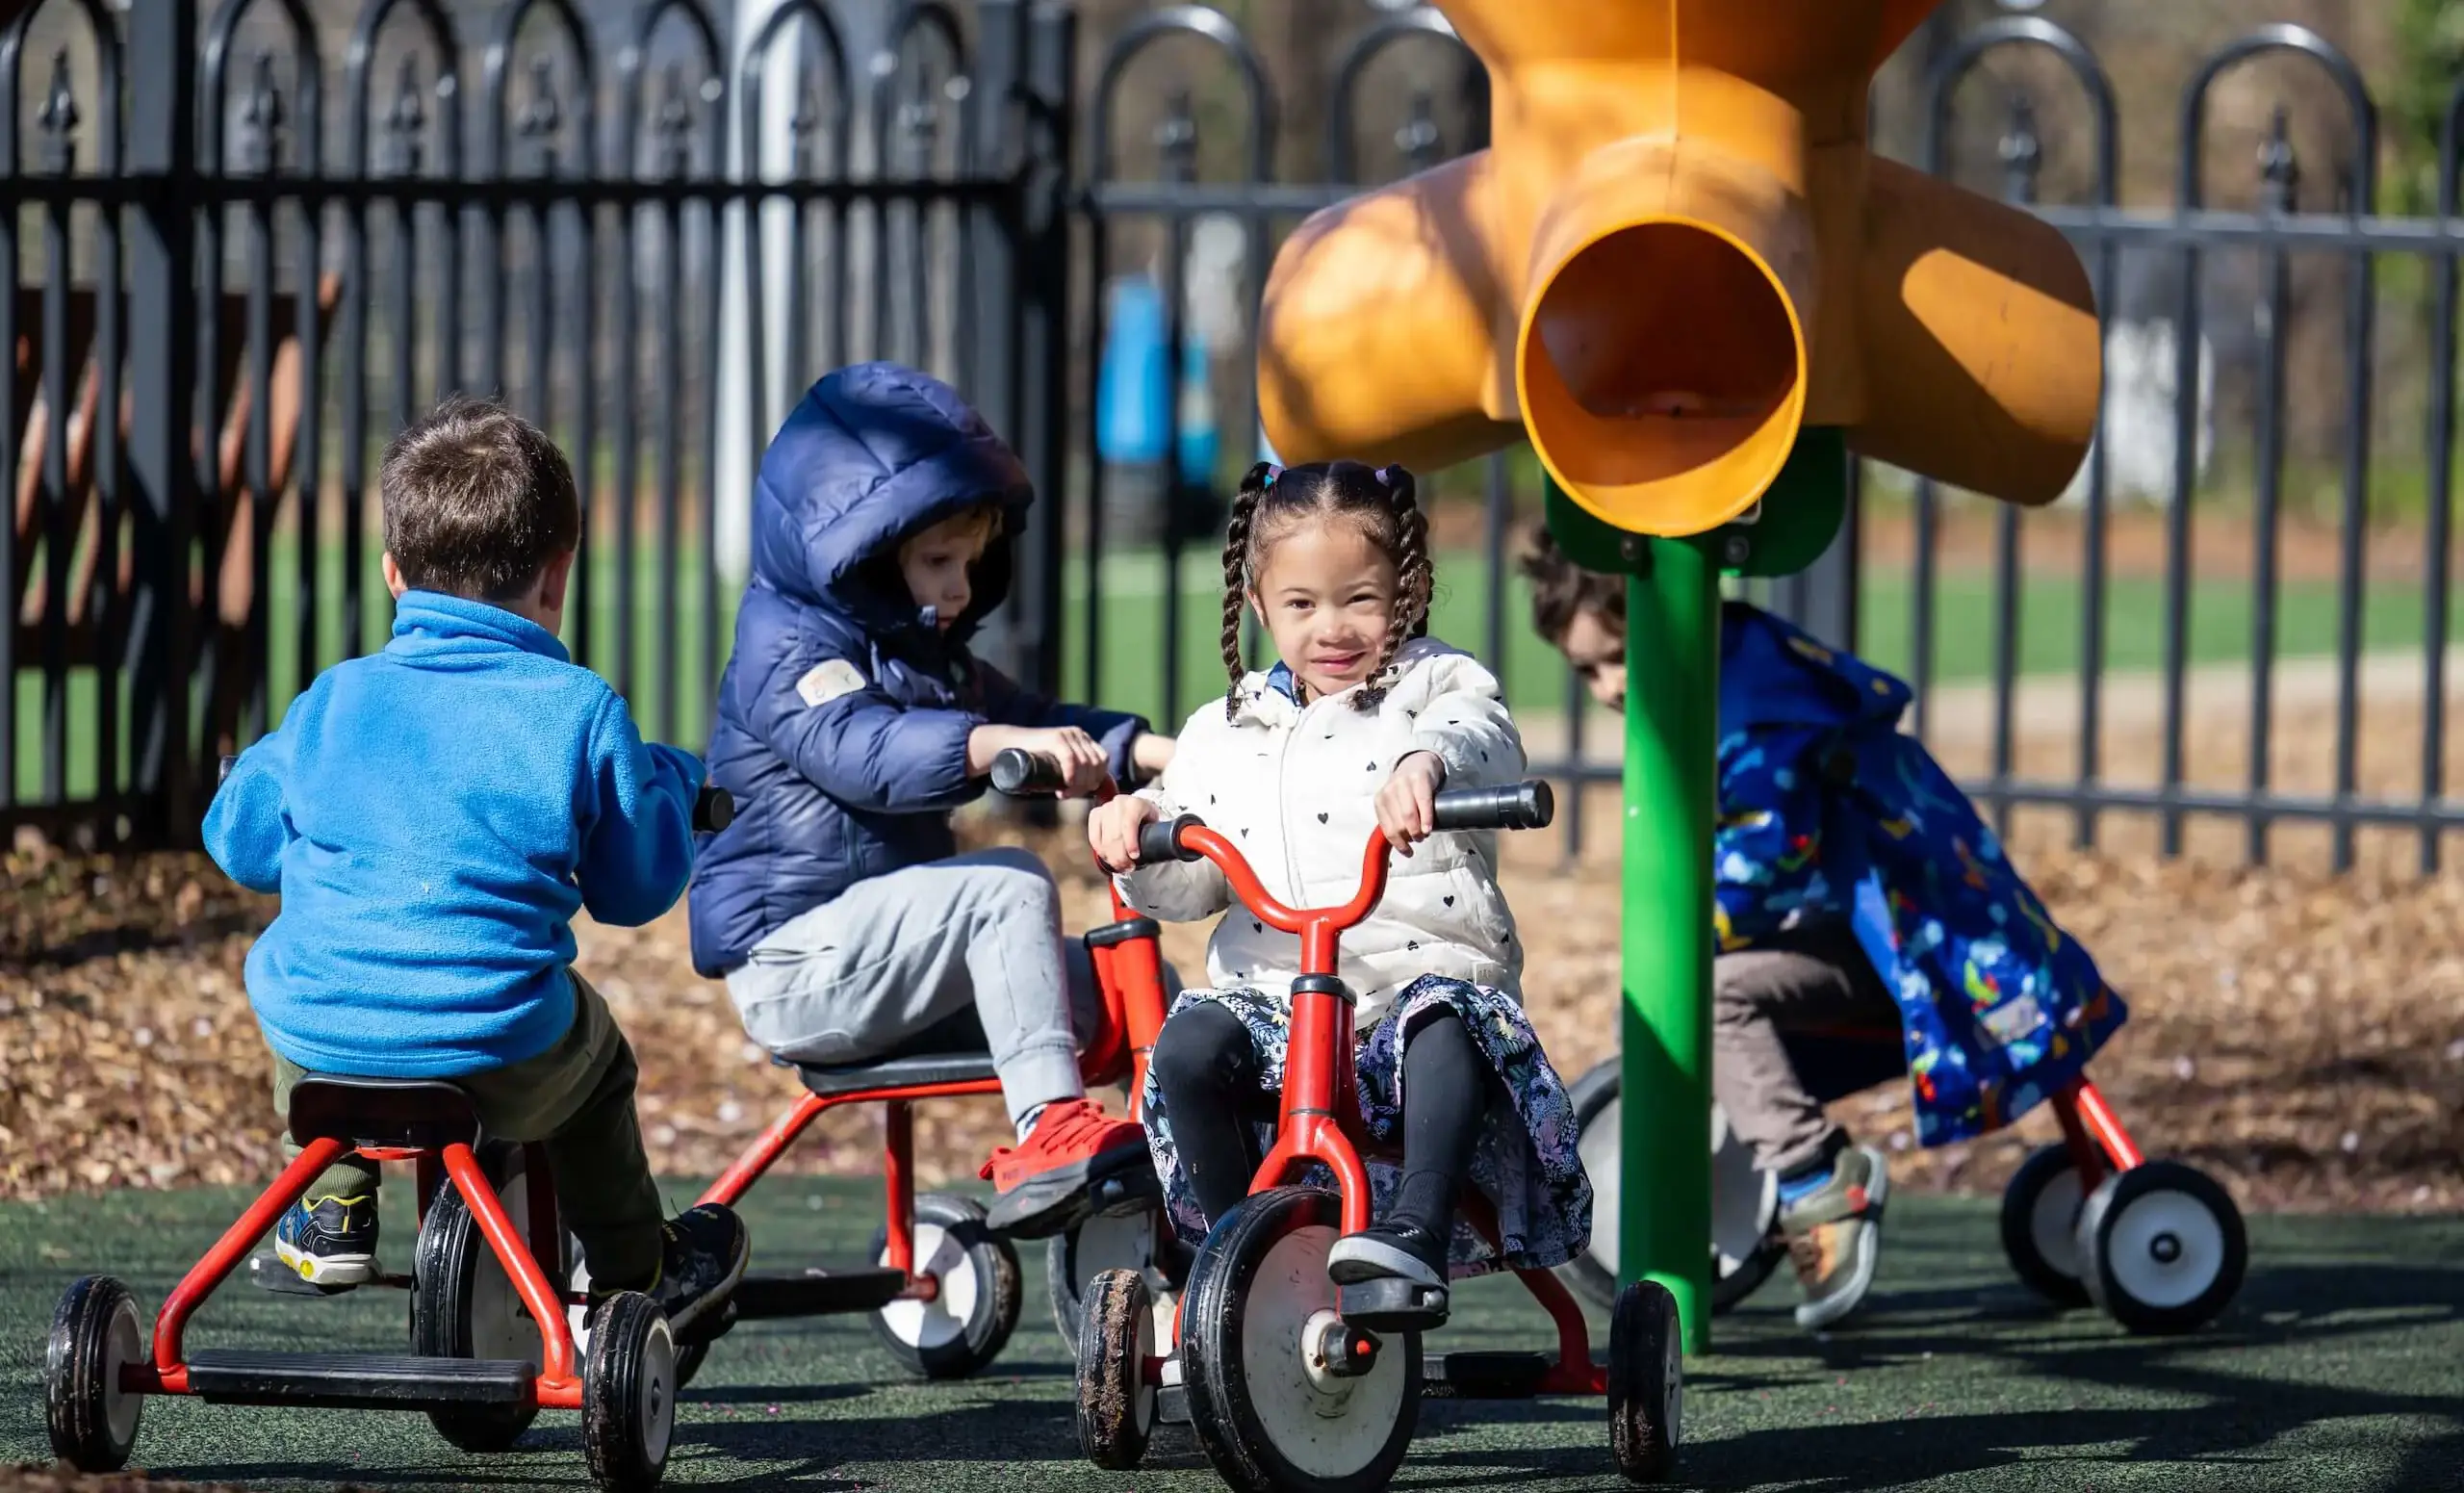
[(1211, 1080)]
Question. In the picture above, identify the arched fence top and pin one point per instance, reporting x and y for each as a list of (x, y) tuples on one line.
[(2361, 113), (750, 84), (2025, 31), (307, 77), (1207, 24), (360, 57), (104, 39), (500, 62), (1421, 22), (674, 118), (917, 18)]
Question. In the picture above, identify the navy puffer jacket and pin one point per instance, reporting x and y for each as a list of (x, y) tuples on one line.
[(844, 712)]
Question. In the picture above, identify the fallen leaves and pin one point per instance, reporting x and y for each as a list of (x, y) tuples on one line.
[(2299, 1036)]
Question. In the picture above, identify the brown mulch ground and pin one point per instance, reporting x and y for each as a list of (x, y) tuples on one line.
[(2302, 1036)]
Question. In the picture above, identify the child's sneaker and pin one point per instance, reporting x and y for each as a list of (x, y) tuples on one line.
[(329, 1241), (1042, 1182), (1833, 1228), (705, 1251)]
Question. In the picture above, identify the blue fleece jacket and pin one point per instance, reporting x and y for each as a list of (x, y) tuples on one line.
[(434, 815)]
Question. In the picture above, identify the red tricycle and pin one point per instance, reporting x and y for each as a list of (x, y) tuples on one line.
[(943, 1288), (496, 1333), (1283, 1375)]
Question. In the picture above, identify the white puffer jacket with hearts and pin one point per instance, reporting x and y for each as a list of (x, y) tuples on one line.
[(1295, 788)]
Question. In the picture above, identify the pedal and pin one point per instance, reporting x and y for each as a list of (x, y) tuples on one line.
[(814, 1294), (1392, 1305), (267, 1273)]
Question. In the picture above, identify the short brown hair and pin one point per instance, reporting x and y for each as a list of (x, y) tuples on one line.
[(477, 500), (1561, 590)]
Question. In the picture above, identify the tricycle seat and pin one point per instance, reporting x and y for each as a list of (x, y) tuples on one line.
[(412, 1113), (949, 1051)]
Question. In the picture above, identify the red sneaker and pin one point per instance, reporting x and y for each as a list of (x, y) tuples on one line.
[(1043, 1184)]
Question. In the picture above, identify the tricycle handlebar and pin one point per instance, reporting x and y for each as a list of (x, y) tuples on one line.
[(1161, 840), (1517, 806), (1018, 770)]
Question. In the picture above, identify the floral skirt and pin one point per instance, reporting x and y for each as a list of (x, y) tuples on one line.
[(1525, 1162)]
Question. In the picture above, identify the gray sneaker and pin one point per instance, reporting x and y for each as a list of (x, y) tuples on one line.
[(1835, 1236)]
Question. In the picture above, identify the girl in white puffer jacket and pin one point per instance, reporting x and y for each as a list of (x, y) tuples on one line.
[(1354, 729)]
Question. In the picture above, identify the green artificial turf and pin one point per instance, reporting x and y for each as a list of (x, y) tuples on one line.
[(2341, 1367)]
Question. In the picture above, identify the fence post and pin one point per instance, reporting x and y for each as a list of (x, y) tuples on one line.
[(162, 393), (1043, 335), (994, 293)]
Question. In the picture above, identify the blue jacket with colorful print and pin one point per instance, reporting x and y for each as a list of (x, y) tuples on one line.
[(1826, 810)]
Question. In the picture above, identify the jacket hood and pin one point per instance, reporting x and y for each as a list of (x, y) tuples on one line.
[(871, 454), (1773, 674)]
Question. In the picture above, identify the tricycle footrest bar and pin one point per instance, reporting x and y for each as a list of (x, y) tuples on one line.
[(370, 1381), (816, 1293)]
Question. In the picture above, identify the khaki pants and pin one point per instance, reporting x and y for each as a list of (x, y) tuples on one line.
[(576, 1098), (1812, 977)]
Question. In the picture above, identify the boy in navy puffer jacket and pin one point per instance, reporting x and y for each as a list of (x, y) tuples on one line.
[(434, 815), (851, 721)]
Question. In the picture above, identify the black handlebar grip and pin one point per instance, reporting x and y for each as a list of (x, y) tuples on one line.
[(714, 809), (1161, 840), (1018, 770), (223, 774), (1518, 805)]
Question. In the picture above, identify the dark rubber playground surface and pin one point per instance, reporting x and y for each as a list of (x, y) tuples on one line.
[(2342, 1367)]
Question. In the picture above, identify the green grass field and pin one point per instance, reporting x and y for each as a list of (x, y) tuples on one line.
[(668, 620), (2341, 1368)]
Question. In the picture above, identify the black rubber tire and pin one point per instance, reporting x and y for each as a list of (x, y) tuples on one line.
[(94, 1333), (1116, 1405), (993, 1314), (1646, 1382), (2046, 1166), (1594, 1278), (628, 1394), (2106, 1231), (1222, 1411), (455, 1276)]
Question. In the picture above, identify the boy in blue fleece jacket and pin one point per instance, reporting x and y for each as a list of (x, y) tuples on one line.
[(434, 816), (850, 720)]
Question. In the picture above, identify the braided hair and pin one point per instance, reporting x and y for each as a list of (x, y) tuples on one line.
[(1381, 501)]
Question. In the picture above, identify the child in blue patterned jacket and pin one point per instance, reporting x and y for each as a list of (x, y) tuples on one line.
[(1855, 887)]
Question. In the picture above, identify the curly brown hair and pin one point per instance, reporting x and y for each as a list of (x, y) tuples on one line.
[(1562, 590), (1381, 501)]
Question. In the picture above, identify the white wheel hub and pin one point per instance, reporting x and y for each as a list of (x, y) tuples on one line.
[(1141, 1404), (656, 1401), (1111, 1241), (2165, 1248), (1745, 1199), (2053, 1222), (1320, 1435), (942, 1320), (123, 1344)]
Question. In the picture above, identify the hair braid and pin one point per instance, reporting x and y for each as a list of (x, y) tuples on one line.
[(1413, 577), (1236, 580)]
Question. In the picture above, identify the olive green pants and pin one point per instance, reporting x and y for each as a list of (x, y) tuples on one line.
[(576, 1098)]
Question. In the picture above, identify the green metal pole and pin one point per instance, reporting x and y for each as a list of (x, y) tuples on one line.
[(1672, 707)]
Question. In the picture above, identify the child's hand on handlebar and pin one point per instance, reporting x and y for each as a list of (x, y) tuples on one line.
[(1080, 757), (1407, 804), (1111, 831)]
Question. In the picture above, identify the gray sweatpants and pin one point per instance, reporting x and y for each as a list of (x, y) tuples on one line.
[(1812, 977), (891, 956)]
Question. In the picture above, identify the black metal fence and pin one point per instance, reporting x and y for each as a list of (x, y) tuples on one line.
[(288, 231)]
